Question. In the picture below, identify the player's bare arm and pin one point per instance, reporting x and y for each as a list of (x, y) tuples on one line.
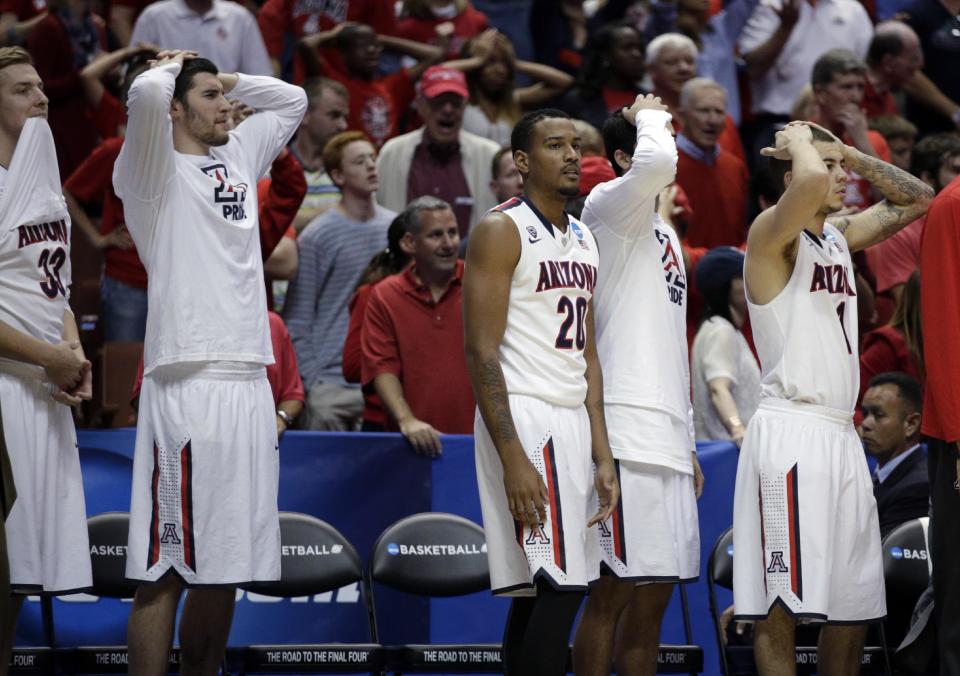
[(83, 390), (63, 366), (906, 198), (773, 237), (492, 256), (608, 489)]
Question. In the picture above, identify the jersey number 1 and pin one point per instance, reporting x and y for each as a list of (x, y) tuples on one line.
[(841, 309), (565, 306), (50, 263)]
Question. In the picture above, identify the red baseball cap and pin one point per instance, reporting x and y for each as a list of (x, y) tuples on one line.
[(439, 80)]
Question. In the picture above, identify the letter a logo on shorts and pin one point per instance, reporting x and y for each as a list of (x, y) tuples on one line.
[(776, 563), (538, 536), (170, 534)]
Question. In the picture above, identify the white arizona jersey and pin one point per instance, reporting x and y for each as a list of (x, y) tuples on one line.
[(641, 306), (194, 219), (541, 353), (34, 238), (806, 337)]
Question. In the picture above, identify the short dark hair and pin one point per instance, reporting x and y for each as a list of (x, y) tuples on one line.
[(185, 79), (522, 134), (907, 387), (764, 183), (495, 165), (779, 168), (618, 134), (884, 43), (932, 151), (350, 34), (893, 127), (833, 63)]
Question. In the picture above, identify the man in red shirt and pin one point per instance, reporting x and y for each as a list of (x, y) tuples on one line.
[(376, 103), (715, 180), (412, 336), (838, 81), (284, 22), (940, 309), (894, 58)]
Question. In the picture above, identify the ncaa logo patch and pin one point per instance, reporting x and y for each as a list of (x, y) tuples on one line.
[(896, 553), (393, 549), (534, 234)]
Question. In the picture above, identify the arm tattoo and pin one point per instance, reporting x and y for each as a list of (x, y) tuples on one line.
[(492, 389), (894, 183)]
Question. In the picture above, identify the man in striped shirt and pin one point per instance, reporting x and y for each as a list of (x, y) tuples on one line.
[(334, 250)]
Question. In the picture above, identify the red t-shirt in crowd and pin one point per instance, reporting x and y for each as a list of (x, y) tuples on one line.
[(69, 115), (420, 341), (93, 182), (617, 99), (280, 197), (940, 306), (718, 194), (376, 105), (283, 22), (373, 411), (875, 103), (109, 116), (466, 24), (896, 258), (884, 350)]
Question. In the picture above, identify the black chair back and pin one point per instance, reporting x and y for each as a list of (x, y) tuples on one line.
[(432, 554), (906, 559), (108, 555), (315, 558)]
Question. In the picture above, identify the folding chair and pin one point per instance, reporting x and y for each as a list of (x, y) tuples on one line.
[(459, 568), (108, 558), (303, 576), (906, 572), (737, 660)]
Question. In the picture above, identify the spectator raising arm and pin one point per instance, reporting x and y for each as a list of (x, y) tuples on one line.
[(91, 77)]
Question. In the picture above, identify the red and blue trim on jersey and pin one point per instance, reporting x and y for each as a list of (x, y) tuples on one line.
[(556, 514), (793, 525)]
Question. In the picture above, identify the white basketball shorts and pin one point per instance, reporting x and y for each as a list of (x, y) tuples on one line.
[(653, 535), (205, 474), (47, 528), (556, 439), (805, 529)]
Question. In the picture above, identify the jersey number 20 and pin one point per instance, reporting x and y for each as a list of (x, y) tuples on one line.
[(565, 307)]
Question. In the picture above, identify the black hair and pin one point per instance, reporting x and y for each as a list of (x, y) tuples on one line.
[(884, 43), (522, 135), (495, 165), (185, 79), (618, 134), (346, 37), (932, 151), (907, 387), (833, 63), (764, 183), (391, 260), (779, 168), (592, 73)]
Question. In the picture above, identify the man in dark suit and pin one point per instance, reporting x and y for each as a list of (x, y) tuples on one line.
[(891, 434)]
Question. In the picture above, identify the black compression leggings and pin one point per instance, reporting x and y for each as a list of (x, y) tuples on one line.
[(537, 637)]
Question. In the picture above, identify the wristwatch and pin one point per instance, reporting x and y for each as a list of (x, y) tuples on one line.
[(283, 415)]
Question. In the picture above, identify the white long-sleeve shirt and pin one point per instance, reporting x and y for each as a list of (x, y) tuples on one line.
[(640, 306), (194, 220)]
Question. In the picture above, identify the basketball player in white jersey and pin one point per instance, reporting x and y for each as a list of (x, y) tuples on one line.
[(204, 500), (528, 282), (806, 536), (652, 539), (42, 366)]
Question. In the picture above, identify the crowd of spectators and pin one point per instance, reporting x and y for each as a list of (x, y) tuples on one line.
[(404, 147)]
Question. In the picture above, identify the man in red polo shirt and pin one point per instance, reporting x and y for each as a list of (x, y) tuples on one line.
[(412, 336), (894, 58)]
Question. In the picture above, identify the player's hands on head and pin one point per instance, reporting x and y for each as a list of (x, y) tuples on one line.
[(527, 495), (608, 490), (422, 436), (794, 133), (166, 56), (643, 102)]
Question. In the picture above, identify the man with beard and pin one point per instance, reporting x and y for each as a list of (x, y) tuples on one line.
[(532, 359), (204, 499)]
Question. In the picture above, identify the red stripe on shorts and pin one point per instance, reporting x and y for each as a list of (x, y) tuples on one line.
[(153, 549), (186, 505), (793, 524), (556, 518)]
